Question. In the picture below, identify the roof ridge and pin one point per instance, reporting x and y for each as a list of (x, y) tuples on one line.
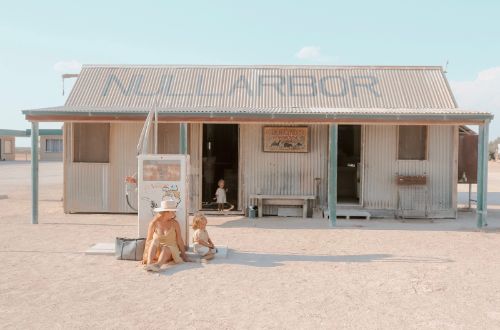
[(267, 66)]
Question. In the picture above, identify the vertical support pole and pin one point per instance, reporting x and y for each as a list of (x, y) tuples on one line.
[(482, 175), (183, 138), (332, 174), (34, 173)]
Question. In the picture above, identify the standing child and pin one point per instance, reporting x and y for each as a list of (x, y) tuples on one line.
[(202, 244), (220, 195)]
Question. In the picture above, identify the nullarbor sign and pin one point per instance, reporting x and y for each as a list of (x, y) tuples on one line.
[(331, 86)]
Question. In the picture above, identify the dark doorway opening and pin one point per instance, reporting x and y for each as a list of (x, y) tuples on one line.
[(349, 164), (220, 161)]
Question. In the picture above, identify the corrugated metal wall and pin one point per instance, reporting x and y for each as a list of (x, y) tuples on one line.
[(379, 190), (3, 154), (51, 156), (91, 187), (123, 162), (440, 170), (195, 132), (95, 187), (282, 173), (382, 167)]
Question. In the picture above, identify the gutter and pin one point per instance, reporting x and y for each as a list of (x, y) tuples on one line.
[(232, 116)]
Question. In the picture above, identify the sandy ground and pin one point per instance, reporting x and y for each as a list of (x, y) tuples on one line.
[(282, 273)]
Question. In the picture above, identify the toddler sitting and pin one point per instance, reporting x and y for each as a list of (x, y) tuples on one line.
[(202, 244)]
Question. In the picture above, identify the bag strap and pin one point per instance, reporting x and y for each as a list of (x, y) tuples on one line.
[(121, 253)]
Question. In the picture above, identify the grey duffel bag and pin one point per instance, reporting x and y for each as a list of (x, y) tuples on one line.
[(129, 248)]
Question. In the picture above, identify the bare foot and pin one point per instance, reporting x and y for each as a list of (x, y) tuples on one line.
[(152, 268), (206, 257)]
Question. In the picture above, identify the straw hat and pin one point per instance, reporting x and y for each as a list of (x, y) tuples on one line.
[(167, 205)]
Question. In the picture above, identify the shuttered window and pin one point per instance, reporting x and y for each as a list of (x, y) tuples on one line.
[(412, 144), (91, 143)]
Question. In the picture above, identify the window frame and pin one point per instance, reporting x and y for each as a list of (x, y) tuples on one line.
[(74, 141), (426, 144), (61, 144)]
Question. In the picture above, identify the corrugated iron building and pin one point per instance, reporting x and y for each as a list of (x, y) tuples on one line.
[(8, 143), (51, 145), (380, 112)]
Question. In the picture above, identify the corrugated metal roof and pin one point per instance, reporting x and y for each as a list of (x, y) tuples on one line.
[(261, 87), (46, 132), (12, 132)]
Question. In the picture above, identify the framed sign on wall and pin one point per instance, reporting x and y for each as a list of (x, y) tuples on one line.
[(285, 138)]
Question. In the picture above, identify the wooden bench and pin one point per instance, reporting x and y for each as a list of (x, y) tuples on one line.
[(342, 213), (301, 200)]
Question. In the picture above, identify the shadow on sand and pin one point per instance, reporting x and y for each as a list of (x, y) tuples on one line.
[(282, 223), (274, 260), (265, 260)]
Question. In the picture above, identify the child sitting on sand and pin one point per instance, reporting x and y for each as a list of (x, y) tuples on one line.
[(202, 244)]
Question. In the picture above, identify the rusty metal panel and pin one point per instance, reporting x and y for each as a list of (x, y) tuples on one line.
[(282, 173), (85, 184), (467, 159)]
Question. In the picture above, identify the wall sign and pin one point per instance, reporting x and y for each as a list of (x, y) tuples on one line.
[(285, 139)]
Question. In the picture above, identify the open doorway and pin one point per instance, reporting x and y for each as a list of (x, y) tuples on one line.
[(220, 161), (349, 164)]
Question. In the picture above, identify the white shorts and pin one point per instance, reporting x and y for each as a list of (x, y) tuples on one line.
[(202, 250)]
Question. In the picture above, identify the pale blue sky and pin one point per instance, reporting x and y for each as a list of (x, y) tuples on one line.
[(36, 35)]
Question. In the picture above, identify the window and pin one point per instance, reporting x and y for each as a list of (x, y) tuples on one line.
[(53, 145), (91, 143), (8, 146), (412, 143)]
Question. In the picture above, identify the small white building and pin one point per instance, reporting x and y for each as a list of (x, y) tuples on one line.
[(8, 143), (376, 138), (51, 144)]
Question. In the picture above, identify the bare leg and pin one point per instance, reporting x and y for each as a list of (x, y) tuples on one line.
[(151, 252), (165, 256)]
